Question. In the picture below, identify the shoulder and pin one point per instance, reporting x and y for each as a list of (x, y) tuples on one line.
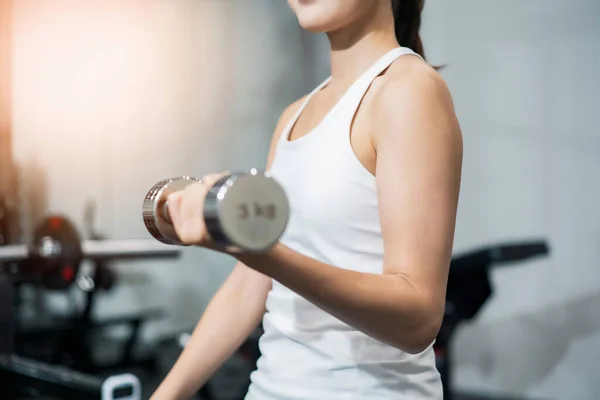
[(413, 82), (412, 93)]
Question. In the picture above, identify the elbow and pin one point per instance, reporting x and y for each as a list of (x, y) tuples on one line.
[(420, 336), (417, 345)]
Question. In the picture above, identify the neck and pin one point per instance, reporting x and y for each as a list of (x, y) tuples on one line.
[(355, 48)]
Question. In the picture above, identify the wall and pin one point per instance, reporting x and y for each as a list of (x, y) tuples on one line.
[(112, 95), (523, 79)]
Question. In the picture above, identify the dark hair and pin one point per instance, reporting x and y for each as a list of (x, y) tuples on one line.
[(407, 23)]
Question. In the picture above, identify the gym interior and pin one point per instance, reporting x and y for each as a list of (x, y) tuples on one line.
[(102, 99)]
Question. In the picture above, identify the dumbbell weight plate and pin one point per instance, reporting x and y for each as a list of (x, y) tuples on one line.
[(246, 211)]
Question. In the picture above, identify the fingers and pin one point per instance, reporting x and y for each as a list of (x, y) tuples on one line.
[(186, 209), (192, 214), (174, 201)]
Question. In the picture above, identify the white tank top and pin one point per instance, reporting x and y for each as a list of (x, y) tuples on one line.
[(307, 353)]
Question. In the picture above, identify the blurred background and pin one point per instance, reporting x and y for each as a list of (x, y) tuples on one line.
[(101, 99)]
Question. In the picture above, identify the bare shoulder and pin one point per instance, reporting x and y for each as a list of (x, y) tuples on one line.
[(415, 82), (413, 93)]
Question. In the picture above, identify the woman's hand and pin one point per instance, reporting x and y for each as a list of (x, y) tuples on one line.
[(186, 209)]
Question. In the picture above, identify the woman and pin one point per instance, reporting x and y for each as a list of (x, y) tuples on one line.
[(352, 297)]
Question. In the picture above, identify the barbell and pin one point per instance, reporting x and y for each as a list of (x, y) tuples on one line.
[(56, 252)]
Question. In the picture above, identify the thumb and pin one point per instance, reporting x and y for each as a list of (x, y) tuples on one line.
[(211, 179), (174, 207)]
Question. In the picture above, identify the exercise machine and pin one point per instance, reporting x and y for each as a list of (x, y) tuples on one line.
[(53, 262), (24, 378), (28, 379), (469, 288)]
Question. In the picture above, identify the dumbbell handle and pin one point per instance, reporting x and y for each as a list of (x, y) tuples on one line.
[(101, 249)]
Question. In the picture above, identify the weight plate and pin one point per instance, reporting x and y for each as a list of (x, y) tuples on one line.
[(56, 252)]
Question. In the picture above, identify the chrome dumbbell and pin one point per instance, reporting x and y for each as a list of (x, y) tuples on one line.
[(243, 211)]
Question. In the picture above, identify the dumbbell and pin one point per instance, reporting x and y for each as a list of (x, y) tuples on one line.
[(242, 211)]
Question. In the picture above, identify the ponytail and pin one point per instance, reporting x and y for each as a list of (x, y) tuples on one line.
[(407, 23)]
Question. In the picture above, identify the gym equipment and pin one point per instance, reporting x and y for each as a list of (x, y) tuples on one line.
[(6, 315), (468, 290), (23, 377), (53, 261), (245, 211), (54, 257)]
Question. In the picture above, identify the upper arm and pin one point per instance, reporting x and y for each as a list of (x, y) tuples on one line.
[(419, 162)]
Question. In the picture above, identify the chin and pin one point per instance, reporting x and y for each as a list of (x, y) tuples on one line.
[(322, 15), (314, 20)]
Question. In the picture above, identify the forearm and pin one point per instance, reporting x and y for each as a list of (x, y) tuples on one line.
[(229, 319), (386, 307)]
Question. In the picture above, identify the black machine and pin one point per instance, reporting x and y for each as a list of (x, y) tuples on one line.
[(22, 378), (28, 379), (56, 356), (469, 288), (53, 262)]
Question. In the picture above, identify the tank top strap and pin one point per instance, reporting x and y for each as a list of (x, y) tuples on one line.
[(362, 85), (288, 127), (350, 101)]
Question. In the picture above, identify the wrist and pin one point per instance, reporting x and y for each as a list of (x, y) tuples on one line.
[(173, 387), (258, 261), (240, 254), (209, 243)]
